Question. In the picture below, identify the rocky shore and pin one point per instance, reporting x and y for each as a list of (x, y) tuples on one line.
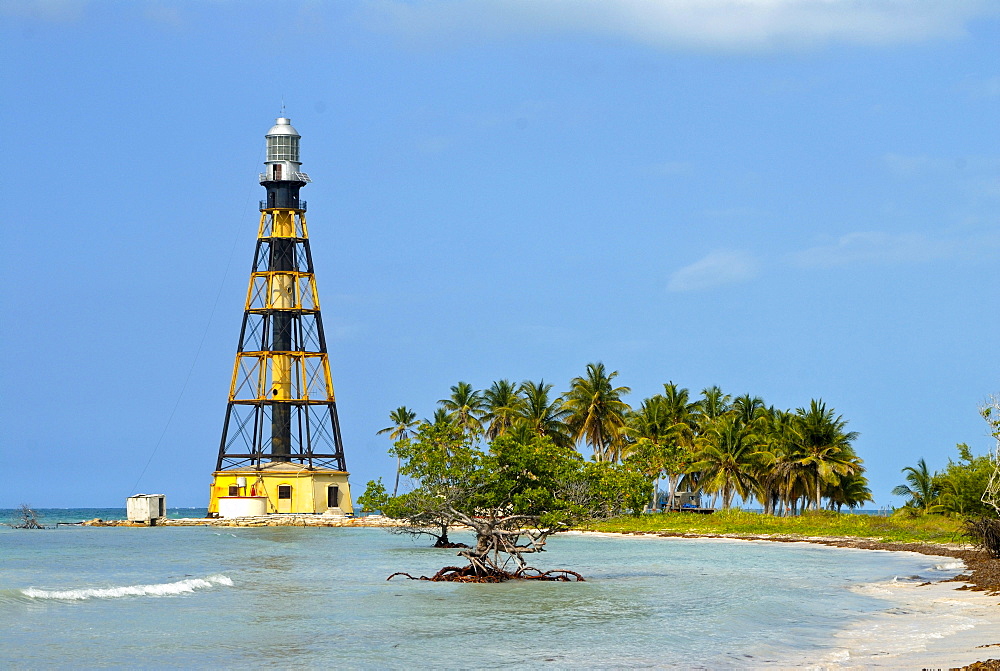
[(273, 520)]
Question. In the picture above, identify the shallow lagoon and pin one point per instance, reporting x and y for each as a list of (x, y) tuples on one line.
[(202, 596)]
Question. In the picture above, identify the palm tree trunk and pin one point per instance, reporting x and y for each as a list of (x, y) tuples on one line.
[(395, 487)]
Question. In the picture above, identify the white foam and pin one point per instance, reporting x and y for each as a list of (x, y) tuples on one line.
[(957, 565), (874, 588), (161, 589), (927, 622)]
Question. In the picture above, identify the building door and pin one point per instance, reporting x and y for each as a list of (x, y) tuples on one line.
[(284, 498), (333, 496), (277, 172)]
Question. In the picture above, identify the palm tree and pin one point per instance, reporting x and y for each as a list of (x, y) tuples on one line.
[(544, 417), (403, 420), (648, 429), (650, 421), (824, 446), (712, 405), (921, 489), (596, 412), (522, 433), (681, 411), (780, 477), (465, 406), (502, 405), (852, 491), (750, 410), (682, 418), (727, 458), (440, 418)]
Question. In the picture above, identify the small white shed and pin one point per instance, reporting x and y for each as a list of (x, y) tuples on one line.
[(146, 507)]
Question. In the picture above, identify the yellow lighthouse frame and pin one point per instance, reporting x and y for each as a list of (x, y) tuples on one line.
[(281, 449)]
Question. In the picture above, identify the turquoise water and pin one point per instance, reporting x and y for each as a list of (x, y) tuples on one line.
[(203, 596), (50, 517)]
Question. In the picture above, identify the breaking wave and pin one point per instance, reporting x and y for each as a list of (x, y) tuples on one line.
[(161, 589), (956, 565)]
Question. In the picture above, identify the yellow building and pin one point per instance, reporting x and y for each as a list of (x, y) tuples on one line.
[(285, 488), (281, 449)]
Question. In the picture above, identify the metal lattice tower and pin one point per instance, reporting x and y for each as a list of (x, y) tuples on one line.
[(282, 407)]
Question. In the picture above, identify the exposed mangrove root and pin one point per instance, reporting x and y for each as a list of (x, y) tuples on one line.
[(28, 518), (470, 573), (561, 575), (444, 543), (984, 533)]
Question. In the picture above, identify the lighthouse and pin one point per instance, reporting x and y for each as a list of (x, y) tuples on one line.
[(281, 449)]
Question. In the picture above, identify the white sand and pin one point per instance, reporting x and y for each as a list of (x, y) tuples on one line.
[(936, 625)]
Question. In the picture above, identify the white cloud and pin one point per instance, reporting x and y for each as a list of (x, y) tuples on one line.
[(700, 24), (726, 267), (717, 269)]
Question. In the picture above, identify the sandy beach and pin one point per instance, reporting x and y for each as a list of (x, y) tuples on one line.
[(971, 642)]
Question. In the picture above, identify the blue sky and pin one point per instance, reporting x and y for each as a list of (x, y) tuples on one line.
[(792, 198)]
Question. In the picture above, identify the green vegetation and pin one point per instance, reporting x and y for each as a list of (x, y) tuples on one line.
[(964, 487), (920, 487), (717, 446), (927, 529), (513, 493), (510, 453), (403, 422)]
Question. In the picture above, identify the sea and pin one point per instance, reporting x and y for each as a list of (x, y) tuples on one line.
[(199, 597)]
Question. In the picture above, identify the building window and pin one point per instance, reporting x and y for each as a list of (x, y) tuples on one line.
[(332, 496), (284, 491), (282, 148), (234, 490)]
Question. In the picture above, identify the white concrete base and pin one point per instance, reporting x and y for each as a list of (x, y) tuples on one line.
[(242, 506)]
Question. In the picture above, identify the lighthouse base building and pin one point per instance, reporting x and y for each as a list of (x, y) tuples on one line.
[(281, 449), (279, 487)]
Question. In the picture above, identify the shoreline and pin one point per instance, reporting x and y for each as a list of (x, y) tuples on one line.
[(982, 572)]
